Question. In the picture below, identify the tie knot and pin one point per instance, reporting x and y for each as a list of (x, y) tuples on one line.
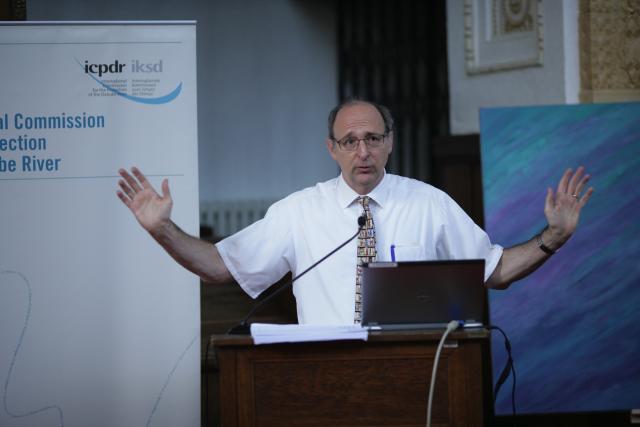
[(364, 201)]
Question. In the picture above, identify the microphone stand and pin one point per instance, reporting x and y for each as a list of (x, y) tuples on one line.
[(244, 328)]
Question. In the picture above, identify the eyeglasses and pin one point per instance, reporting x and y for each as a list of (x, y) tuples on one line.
[(372, 140)]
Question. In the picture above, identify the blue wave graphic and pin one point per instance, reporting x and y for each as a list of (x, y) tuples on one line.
[(153, 101)]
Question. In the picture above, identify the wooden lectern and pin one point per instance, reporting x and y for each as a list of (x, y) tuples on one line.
[(380, 382)]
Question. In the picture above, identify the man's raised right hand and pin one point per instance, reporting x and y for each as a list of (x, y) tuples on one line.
[(152, 210)]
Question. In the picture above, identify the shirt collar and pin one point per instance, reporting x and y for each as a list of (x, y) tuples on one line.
[(346, 195)]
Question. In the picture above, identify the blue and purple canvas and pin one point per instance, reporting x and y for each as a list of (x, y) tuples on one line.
[(574, 324)]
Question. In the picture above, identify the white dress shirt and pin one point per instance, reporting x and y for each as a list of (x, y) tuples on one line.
[(424, 223)]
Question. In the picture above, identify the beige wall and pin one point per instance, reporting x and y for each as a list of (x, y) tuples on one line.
[(267, 78), (554, 81)]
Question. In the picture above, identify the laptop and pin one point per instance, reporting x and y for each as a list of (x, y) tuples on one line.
[(423, 294)]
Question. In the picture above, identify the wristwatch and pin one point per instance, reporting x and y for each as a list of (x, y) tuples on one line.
[(546, 249)]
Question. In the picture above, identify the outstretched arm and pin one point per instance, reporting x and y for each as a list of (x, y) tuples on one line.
[(562, 211), (153, 212)]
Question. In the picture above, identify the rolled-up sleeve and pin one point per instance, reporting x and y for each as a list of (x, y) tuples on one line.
[(260, 254), (461, 238)]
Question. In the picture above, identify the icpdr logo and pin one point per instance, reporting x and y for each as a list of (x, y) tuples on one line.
[(136, 70), (116, 67)]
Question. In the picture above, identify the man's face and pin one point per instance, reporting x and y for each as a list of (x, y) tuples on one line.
[(363, 168)]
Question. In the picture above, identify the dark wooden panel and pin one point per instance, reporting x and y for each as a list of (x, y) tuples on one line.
[(382, 382), (366, 390), (13, 10), (5, 10), (457, 171), (222, 307)]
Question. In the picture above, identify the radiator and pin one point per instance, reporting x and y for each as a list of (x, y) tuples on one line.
[(227, 217)]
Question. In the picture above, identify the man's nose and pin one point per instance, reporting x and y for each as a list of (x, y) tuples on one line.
[(362, 149)]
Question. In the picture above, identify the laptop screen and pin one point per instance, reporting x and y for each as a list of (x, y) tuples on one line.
[(423, 294)]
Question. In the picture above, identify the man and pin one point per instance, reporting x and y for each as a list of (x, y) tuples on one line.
[(306, 225)]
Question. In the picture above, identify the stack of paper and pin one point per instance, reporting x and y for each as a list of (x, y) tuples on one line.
[(264, 333)]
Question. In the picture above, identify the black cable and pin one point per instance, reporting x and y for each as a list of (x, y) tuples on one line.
[(513, 389), (243, 328), (508, 368)]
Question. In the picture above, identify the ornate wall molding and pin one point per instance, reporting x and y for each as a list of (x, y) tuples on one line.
[(609, 50), (502, 34)]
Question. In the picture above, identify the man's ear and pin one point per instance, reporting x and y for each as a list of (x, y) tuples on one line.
[(390, 136), (331, 146)]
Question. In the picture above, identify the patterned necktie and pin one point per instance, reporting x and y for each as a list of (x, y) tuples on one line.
[(366, 252)]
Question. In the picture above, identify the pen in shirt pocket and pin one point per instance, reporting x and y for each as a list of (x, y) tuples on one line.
[(400, 253)]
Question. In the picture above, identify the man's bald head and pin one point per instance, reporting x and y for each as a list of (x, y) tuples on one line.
[(387, 118)]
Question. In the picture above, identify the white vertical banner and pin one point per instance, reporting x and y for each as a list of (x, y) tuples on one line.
[(98, 326)]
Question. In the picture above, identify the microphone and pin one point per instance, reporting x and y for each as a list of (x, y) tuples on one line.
[(244, 328)]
